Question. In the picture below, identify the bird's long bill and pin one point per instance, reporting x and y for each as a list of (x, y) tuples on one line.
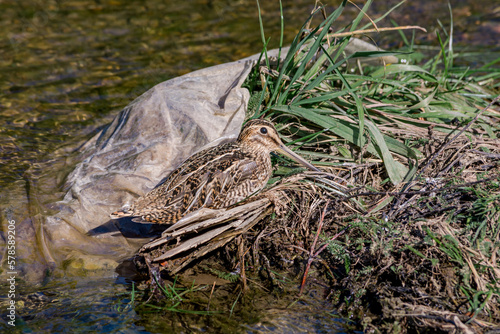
[(289, 153)]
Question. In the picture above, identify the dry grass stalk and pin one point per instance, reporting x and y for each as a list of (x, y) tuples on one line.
[(205, 230)]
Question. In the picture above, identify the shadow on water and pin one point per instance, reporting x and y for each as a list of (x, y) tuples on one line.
[(128, 228), (68, 68)]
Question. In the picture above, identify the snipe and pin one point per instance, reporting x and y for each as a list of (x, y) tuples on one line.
[(214, 178)]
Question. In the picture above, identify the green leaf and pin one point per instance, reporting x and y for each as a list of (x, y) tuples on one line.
[(425, 102), (398, 68), (395, 170)]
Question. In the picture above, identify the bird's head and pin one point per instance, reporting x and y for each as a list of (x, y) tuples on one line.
[(260, 136)]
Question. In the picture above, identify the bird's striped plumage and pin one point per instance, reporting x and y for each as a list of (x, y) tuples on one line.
[(214, 178)]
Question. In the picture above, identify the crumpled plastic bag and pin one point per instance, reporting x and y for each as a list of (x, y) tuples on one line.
[(143, 144)]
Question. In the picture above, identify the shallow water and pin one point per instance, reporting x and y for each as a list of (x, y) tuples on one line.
[(68, 67)]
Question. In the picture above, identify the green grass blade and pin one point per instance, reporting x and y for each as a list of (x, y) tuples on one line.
[(313, 49), (395, 170)]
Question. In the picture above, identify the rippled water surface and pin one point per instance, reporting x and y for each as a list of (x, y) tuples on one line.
[(68, 67)]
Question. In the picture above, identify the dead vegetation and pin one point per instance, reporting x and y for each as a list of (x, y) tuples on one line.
[(427, 259), (403, 234)]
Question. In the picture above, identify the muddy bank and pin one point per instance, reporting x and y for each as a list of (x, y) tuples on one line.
[(401, 268)]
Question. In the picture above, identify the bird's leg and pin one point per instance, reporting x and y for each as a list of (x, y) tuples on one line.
[(275, 282), (155, 280), (241, 255)]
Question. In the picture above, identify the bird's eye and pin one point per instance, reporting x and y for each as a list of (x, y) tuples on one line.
[(263, 131)]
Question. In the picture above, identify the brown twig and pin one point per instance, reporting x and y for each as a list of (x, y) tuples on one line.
[(210, 298), (326, 243), (312, 254), (435, 155), (422, 192), (368, 31), (241, 255)]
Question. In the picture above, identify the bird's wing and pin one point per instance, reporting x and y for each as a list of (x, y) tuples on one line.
[(206, 181), (167, 194), (211, 185), (229, 185)]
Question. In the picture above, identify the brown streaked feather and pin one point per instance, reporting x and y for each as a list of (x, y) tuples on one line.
[(214, 178), (208, 179)]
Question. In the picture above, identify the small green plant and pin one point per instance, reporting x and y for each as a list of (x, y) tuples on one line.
[(130, 303), (231, 277), (174, 296), (338, 251)]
